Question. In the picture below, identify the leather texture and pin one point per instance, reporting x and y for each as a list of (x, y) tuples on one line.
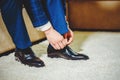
[(28, 57), (66, 53)]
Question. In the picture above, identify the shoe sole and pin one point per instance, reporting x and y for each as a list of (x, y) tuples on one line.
[(22, 62)]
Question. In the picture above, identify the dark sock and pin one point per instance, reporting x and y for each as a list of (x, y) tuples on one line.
[(26, 50)]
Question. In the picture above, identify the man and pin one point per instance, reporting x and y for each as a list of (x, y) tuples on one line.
[(49, 16), (16, 27)]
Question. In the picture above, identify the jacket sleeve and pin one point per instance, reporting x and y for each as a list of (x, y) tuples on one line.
[(56, 14)]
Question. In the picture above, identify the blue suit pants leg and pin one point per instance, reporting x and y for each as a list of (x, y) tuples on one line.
[(12, 15), (36, 12)]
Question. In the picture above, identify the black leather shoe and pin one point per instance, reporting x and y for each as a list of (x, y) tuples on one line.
[(27, 57), (66, 53)]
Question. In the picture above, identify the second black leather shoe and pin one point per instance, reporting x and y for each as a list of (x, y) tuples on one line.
[(28, 57), (66, 53)]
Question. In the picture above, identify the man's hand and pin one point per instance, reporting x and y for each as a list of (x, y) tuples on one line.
[(55, 39), (69, 36)]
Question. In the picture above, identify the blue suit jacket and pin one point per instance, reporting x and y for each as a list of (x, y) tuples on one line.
[(42, 11), (39, 12)]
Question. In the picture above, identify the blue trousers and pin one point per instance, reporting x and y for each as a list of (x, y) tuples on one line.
[(12, 15)]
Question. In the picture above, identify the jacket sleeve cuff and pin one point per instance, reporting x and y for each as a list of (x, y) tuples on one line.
[(44, 27)]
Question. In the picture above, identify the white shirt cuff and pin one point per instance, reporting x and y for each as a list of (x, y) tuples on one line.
[(44, 27)]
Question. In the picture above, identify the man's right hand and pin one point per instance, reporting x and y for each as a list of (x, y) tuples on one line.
[(55, 39)]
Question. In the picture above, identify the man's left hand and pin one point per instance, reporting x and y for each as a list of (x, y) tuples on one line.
[(68, 36)]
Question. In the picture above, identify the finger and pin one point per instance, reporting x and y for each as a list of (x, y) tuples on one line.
[(61, 45), (54, 46), (64, 42), (70, 40), (57, 47)]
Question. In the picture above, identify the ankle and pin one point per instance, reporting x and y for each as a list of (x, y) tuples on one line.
[(26, 50)]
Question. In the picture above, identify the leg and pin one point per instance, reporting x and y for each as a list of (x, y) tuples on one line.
[(12, 16), (36, 12)]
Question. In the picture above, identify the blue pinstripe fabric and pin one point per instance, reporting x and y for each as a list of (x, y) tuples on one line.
[(36, 12), (56, 12), (12, 15), (42, 11)]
